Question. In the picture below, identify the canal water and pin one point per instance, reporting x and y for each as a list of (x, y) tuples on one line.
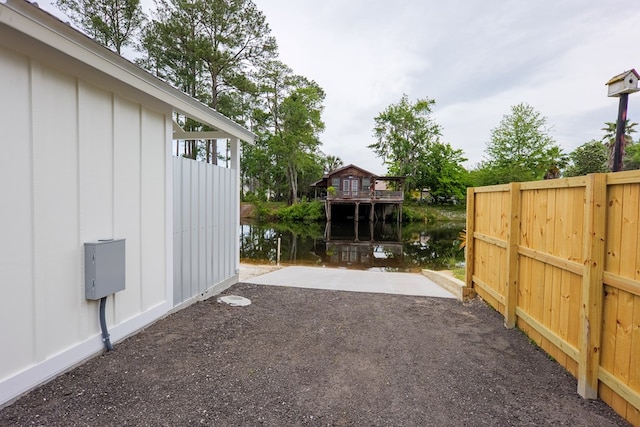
[(366, 246)]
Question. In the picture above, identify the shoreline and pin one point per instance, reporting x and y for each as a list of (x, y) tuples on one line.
[(248, 270)]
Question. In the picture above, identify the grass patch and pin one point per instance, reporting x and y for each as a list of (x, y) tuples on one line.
[(418, 212), (459, 273)]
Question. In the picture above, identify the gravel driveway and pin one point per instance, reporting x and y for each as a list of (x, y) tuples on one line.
[(320, 358)]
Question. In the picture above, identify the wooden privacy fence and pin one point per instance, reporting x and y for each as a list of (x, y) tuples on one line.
[(561, 260)]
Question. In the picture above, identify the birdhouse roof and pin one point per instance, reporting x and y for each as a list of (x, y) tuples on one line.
[(622, 76)]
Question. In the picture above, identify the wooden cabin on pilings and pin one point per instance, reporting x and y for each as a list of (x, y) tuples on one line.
[(351, 192)]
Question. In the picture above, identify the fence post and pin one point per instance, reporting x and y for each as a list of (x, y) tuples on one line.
[(468, 291), (592, 285), (511, 294)]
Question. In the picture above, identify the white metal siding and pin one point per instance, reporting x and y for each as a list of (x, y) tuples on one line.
[(204, 234), (127, 204), (78, 163), (16, 263), (94, 143), (153, 209), (57, 253)]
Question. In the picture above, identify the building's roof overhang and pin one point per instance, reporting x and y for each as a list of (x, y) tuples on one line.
[(180, 133), (24, 25), (326, 177), (366, 172)]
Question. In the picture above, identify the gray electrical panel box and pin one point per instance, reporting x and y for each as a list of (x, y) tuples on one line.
[(104, 272)]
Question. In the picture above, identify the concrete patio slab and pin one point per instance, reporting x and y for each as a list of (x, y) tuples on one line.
[(337, 279)]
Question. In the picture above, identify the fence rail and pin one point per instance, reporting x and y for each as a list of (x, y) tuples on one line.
[(560, 259)]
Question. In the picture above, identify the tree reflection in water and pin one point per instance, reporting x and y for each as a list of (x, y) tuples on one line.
[(363, 245)]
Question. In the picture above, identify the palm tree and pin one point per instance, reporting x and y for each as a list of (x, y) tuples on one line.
[(332, 163), (609, 137)]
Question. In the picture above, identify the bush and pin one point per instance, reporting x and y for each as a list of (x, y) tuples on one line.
[(414, 215), (303, 211), (262, 211), (254, 198)]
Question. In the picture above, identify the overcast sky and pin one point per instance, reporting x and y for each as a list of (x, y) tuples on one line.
[(475, 59)]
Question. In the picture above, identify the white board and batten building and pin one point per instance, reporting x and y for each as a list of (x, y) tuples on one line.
[(86, 155)]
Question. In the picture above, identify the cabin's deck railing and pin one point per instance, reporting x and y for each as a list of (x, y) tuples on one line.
[(367, 195)]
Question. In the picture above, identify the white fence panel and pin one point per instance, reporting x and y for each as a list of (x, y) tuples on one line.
[(204, 230)]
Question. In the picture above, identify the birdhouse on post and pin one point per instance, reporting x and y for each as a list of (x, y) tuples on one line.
[(626, 82), (621, 86)]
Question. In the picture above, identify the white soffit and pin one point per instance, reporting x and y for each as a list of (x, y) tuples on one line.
[(179, 133)]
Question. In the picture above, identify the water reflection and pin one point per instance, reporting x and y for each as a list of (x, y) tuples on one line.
[(380, 246)]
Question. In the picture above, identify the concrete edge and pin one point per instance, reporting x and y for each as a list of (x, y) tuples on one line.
[(456, 286)]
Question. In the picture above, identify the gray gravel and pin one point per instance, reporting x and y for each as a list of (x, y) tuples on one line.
[(319, 358)]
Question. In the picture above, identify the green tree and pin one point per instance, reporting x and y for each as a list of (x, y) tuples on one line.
[(288, 125), (631, 159), (486, 173), (255, 170), (590, 157), (220, 40), (296, 136), (405, 132), (171, 45), (332, 163), (209, 49), (441, 171), (113, 23), (309, 171), (521, 148), (609, 139)]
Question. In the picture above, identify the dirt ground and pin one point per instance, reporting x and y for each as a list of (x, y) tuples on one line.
[(318, 358)]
